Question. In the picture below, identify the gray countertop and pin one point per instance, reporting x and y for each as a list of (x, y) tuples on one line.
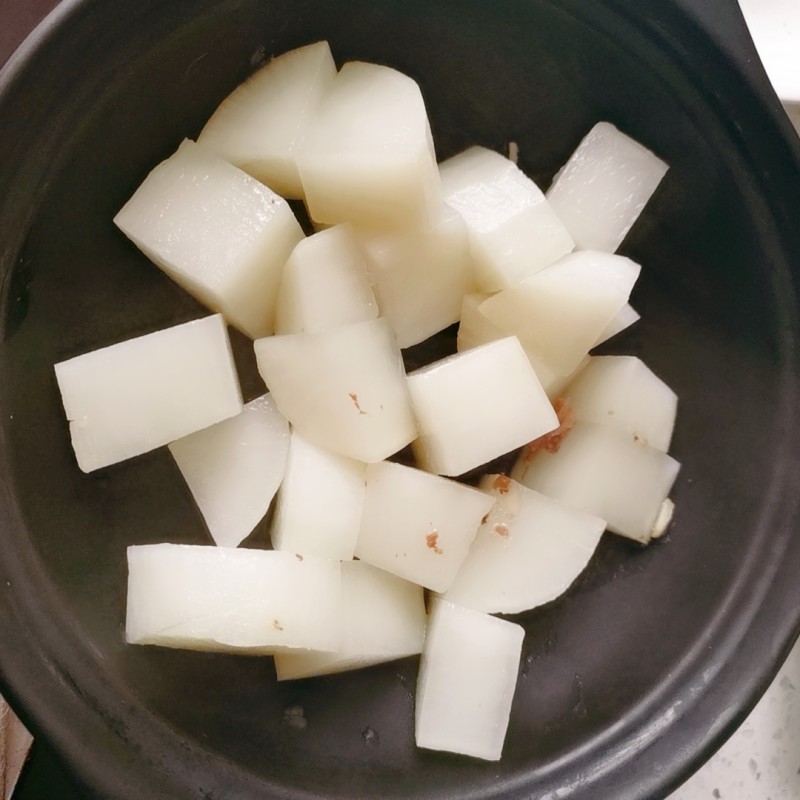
[(761, 761)]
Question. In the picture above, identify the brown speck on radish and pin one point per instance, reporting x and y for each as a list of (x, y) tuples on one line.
[(501, 529), (551, 442), (502, 483), (354, 398), (431, 540)]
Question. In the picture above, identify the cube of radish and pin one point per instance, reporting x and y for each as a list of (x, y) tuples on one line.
[(324, 284), (420, 276), (15, 745), (477, 405), (467, 677), (234, 599), (606, 472), (623, 392), (418, 526), (344, 389), (129, 398), (623, 319), (512, 229), (600, 192), (319, 505), (234, 468), (217, 232), (383, 619), (475, 329), (559, 313), (261, 124), (528, 551), (369, 158)]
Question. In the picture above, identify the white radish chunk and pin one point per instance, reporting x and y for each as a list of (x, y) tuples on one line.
[(383, 619), (324, 284), (477, 405), (559, 313), (552, 382), (133, 396), (319, 504), (234, 468), (418, 526), (220, 234), (600, 192), (512, 229), (528, 551), (369, 158), (623, 319), (15, 745), (467, 677), (344, 389), (231, 599), (261, 124), (623, 392), (475, 329), (420, 277), (605, 472)]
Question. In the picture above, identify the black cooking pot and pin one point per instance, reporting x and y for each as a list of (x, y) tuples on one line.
[(638, 673)]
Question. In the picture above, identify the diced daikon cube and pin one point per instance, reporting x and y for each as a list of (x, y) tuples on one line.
[(15, 745), (600, 192), (559, 313), (418, 526), (260, 125), (319, 504), (623, 392), (383, 619), (133, 396), (606, 472), (553, 383), (369, 158), (512, 229), (324, 284), (234, 599), (475, 329), (234, 468), (623, 319), (217, 232), (467, 677), (477, 405), (344, 389), (528, 551), (420, 276)]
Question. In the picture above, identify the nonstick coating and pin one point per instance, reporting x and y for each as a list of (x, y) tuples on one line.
[(627, 682)]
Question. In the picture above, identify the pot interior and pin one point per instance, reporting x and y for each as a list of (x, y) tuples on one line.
[(603, 664)]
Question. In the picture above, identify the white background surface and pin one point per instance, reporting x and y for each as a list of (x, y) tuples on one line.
[(775, 28)]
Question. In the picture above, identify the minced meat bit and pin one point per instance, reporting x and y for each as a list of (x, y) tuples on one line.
[(431, 540), (502, 483), (551, 442), (354, 398)]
